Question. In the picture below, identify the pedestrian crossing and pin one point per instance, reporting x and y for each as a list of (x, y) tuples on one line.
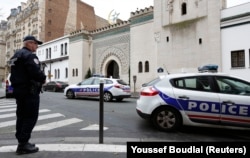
[(8, 118)]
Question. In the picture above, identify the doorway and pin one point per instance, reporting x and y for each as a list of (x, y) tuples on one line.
[(113, 69)]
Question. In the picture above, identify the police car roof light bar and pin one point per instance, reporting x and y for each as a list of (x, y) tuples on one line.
[(208, 68)]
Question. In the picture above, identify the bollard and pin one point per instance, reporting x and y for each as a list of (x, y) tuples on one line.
[(101, 113)]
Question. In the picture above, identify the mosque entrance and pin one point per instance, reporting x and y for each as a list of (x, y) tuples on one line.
[(113, 69)]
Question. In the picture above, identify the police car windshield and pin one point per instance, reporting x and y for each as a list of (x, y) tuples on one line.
[(151, 83)]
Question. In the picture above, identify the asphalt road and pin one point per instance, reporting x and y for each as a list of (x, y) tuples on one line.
[(64, 123)]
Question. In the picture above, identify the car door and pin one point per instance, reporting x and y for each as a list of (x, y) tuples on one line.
[(234, 97), (83, 88), (51, 85), (197, 99)]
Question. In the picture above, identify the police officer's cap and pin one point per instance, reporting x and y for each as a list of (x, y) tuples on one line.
[(32, 38)]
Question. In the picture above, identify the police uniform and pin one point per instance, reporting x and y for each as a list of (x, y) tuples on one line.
[(26, 79)]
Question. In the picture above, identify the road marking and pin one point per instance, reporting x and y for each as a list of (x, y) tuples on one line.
[(73, 147), (7, 103), (14, 114), (56, 124), (43, 117), (94, 127), (7, 110), (7, 106)]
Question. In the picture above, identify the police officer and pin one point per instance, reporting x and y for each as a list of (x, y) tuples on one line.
[(26, 79)]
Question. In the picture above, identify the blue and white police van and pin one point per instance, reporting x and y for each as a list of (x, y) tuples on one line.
[(207, 99), (113, 89)]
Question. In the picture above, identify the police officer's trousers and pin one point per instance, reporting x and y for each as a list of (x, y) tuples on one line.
[(27, 113)]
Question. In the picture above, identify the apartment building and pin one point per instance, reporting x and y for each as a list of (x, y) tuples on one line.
[(47, 20), (3, 28)]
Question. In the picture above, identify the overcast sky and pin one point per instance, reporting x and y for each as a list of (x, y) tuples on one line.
[(103, 7)]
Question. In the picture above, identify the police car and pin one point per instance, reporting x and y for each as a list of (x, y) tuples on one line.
[(198, 99), (113, 89)]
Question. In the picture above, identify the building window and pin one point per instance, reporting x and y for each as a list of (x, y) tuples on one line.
[(61, 49), (58, 73), (200, 40), (238, 58), (47, 54), (49, 22), (73, 72), (66, 47), (140, 67), (76, 72), (55, 74), (66, 72), (146, 66), (167, 39), (184, 8)]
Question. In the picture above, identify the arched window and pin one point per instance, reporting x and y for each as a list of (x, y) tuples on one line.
[(61, 49), (58, 73), (66, 72), (146, 66), (47, 54), (73, 72), (140, 67), (76, 72), (184, 8), (55, 74), (66, 47)]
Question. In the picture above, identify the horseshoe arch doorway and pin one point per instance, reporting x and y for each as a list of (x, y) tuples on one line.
[(112, 69)]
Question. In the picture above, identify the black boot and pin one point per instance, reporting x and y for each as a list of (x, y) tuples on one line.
[(26, 148)]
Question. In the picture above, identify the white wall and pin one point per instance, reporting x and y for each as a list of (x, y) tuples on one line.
[(235, 35), (61, 62), (142, 49)]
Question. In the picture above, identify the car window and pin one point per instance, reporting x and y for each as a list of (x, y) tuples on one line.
[(87, 82), (122, 82), (108, 82), (233, 86), (151, 83), (199, 83), (96, 81)]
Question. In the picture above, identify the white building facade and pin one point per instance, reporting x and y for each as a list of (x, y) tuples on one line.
[(174, 36), (54, 56), (235, 36)]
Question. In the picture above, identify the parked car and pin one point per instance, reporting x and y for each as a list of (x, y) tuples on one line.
[(197, 99), (8, 88), (55, 86), (113, 89)]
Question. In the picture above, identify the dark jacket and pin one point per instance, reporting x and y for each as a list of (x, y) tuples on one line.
[(25, 68)]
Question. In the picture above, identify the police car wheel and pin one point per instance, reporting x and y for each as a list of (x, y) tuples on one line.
[(166, 119), (70, 94), (107, 97)]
